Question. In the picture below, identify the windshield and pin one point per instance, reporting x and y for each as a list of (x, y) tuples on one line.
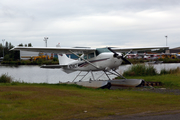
[(101, 50)]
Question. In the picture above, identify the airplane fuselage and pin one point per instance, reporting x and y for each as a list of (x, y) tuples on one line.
[(103, 61)]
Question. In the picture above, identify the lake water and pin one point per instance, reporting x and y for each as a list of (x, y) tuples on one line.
[(35, 74)]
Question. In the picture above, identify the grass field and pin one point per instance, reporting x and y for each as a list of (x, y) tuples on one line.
[(22, 101)]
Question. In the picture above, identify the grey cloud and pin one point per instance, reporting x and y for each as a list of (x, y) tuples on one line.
[(94, 22)]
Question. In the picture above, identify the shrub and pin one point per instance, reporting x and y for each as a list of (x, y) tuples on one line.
[(5, 79), (6, 58), (140, 70), (55, 59)]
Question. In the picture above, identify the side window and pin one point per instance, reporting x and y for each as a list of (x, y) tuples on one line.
[(90, 55), (85, 57)]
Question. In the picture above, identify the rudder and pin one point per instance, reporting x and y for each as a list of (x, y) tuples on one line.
[(64, 60)]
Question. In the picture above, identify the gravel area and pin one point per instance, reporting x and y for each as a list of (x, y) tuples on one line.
[(151, 89), (167, 115), (160, 90)]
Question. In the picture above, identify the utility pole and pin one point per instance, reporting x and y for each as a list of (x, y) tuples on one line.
[(166, 39), (3, 47)]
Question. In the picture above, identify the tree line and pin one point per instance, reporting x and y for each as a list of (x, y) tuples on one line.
[(11, 55)]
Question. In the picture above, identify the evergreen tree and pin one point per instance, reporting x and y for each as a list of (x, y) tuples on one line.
[(9, 55), (29, 45)]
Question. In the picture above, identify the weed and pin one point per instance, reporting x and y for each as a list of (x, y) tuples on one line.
[(5, 79)]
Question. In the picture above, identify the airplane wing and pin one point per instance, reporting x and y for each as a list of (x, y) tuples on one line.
[(81, 50), (60, 50), (138, 48)]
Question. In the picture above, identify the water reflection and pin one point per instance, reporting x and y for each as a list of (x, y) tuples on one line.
[(35, 74)]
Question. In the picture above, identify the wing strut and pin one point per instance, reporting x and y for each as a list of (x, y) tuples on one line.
[(80, 75), (118, 74), (92, 75), (113, 73), (107, 75)]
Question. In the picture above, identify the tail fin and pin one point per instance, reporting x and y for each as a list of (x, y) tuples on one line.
[(64, 60)]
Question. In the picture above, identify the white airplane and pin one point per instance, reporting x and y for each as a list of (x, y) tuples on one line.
[(90, 59)]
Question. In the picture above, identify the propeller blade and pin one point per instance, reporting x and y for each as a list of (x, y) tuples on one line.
[(115, 54), (127, 61), (118, 57)]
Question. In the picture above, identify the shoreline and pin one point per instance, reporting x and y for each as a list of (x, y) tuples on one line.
[(50, 62)]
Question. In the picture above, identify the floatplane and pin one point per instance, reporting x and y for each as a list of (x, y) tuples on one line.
[(89, 60)]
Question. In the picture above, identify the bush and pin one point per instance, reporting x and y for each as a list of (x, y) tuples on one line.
[(5, 79), (140, 70), (55, 59), (6, 58)]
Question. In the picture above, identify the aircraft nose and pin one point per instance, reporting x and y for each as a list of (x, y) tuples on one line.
[(119, 55)]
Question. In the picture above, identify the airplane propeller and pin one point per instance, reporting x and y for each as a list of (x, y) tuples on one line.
[(119, 56)]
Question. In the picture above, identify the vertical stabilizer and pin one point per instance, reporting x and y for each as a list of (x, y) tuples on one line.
[(64, 60)]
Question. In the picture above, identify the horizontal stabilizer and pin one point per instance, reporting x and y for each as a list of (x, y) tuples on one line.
[(53, 66)]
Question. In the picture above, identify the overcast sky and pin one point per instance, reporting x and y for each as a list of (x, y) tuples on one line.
[(93, 23)]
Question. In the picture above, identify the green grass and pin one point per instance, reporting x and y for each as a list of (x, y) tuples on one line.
[(47, 101)]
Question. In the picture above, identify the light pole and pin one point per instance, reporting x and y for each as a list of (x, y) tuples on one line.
[(45, 39), (166, 39), (3, 47)]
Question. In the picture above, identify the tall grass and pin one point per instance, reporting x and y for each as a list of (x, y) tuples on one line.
[(170, 71), (148, 70), (140, 70), (5, 79)]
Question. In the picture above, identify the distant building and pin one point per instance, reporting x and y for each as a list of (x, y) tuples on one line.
[(25, 55), (175, 50)]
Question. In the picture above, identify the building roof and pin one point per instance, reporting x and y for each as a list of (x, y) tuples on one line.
[(177, 48)]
